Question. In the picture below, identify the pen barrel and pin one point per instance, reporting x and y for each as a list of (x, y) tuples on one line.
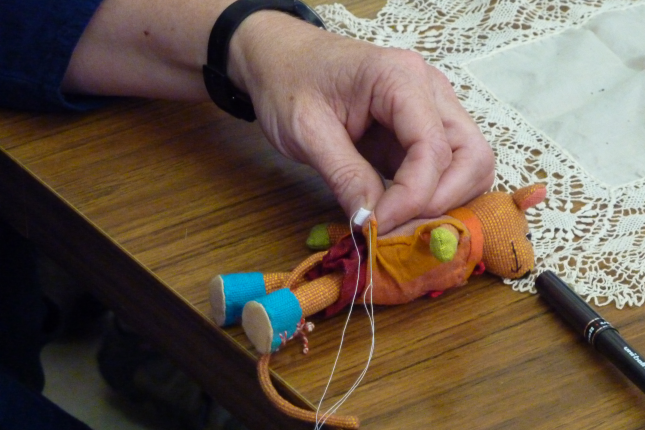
[(569, 305), (598, 332), (612, 345)]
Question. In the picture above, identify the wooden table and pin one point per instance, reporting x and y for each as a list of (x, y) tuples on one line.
[(146, 201)]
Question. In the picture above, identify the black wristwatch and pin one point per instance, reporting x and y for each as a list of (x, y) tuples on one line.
[(219, 86)]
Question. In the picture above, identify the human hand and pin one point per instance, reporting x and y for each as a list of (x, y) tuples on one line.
[(344, 106), (337, 104)]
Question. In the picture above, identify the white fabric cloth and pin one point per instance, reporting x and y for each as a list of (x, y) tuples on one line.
[(558, 89), (584, 88)]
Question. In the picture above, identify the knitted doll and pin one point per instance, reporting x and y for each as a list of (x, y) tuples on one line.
[(421, 257)]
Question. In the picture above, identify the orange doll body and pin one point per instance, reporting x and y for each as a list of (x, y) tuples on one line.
[(417, 258)]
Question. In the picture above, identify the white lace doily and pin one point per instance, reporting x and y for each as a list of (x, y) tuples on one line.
[(590, 232)]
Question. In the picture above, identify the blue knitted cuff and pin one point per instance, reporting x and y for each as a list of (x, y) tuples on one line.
[(239, 289), (284, 312)]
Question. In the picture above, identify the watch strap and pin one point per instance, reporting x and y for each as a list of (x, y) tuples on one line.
[(220, 88)]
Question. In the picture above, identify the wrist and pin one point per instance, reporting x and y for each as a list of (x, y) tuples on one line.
[(251, 44), (266, 46), (244, 43), (229, 71)]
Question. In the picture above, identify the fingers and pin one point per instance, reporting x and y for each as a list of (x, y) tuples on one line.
[(472, 169), (447, 161), (470, 174), (441, 158), (404, 103), (411, 190), (327, 147)]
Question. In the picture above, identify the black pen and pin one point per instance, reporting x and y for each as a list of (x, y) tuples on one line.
[(598, 332)]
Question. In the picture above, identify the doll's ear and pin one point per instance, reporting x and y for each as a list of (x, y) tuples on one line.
[(530, 196)]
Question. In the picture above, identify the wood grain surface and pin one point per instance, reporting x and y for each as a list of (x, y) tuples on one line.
[(146, 201)]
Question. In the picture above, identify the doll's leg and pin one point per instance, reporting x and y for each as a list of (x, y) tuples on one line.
[(229, 293), (319, 294), (272, 320)]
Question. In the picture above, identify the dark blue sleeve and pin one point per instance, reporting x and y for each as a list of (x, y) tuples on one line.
[(37, 38)]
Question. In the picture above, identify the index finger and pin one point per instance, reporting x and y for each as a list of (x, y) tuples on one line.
[(408, 109), (413, 185)]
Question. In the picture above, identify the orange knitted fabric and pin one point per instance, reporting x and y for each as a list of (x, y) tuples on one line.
[(508, 253), (297, 276), (286, 407), (337, 231), (403, 267), (275, 281), (319, 293), (474, 226)]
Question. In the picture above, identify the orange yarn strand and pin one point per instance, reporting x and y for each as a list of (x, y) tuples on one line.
[(299, 272), (284, 406)]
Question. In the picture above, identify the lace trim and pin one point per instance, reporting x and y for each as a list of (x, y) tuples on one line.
[(590, 233)]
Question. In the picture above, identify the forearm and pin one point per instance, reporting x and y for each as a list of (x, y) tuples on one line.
[(153, 49), (315, 95)]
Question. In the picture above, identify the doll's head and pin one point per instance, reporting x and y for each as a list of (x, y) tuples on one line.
[(508, 251)]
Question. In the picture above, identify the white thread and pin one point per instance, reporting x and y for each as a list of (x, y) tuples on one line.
[(320, 420)]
